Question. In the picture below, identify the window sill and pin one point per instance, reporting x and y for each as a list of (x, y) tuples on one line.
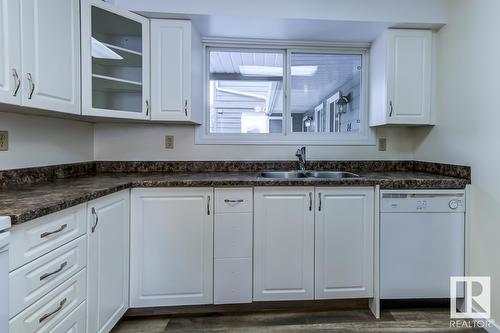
[(202, 138)]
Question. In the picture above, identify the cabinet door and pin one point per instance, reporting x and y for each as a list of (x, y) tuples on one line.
[(51, 54), (283, 243), (10, 52), (171, 78), (108, 261), (171, 247), (409, 57), (344, 242), (115, 62)]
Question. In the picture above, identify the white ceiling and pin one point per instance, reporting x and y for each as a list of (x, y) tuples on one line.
[(230, 62), (333, 71), (302, 20)]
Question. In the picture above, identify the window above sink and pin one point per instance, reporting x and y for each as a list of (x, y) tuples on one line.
[(260, 94)]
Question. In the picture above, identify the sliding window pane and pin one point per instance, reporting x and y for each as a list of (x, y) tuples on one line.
[(245, 91), (325, 92)]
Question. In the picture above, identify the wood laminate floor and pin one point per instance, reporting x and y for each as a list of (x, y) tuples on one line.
[(400, 320)]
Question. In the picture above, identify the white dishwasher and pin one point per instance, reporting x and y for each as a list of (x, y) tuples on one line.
[(422, 242), (4, 273)]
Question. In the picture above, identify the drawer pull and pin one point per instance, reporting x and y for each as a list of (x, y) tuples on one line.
[(59, 308), (233, 203), (46, 275), (45, 234)]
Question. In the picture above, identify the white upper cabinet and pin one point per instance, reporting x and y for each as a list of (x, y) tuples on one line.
[(46, 75), (176, 63), (283, 243), (51, 54), (171, 250), (401, 78), (171, 79), (108, 268), (10, 52), (115, 62), (344, 242)]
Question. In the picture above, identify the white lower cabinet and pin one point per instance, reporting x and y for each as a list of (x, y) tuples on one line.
[(108, 261), (313, 243), (171, 247), (75, 322), (52, 309), (233, 233), (283, 243), (32, 281), (344, 242)]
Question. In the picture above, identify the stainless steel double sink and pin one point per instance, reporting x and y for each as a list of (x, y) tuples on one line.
[(308, 174)]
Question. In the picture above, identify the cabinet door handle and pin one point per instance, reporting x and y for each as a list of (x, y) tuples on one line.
[(96, 217), (391, 108), (59, 308), (208, 205), (147, 107), (32, 85), (17, 81), (319, 203), (310, 201), (59, 270), (233, 201), (48, 233), (186, 107)]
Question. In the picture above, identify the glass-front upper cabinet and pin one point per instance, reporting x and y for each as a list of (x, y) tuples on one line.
[(115, 62)]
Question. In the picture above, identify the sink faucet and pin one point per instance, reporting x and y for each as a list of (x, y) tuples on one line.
[(301, 154)]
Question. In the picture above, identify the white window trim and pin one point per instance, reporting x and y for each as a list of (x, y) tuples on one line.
[(287, 137)]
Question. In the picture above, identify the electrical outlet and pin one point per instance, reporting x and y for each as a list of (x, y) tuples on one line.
[(382, 144), (4, 140), (169, 142)]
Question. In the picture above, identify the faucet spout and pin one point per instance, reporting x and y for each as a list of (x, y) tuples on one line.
[(301, 154)]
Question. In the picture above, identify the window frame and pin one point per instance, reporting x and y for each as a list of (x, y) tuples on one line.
[(366, 137)]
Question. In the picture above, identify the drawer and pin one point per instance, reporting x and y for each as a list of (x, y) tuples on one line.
[(233, 235), (53, 308), (33, 239), (232, 281), (75, 322), (34, 280), (233, 200)]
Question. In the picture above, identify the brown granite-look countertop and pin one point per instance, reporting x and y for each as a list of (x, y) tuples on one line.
[(25, 202)]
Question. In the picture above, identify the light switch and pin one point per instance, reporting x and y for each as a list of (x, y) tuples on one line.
[(4, 140)]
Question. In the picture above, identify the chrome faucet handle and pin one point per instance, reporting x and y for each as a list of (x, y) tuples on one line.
[(301, 154)]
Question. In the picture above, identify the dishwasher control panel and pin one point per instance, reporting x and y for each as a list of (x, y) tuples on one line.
[(422, 201)]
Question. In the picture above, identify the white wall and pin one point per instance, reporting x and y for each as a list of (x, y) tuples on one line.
[(39, 141), (468, 120), (146, 142)]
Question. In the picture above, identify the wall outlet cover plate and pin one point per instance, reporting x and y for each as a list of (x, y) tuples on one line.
[(4, 140), (382, 144), (169, 142)]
